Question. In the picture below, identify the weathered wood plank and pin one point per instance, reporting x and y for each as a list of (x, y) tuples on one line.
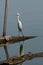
[(4, 40), (19, 59)]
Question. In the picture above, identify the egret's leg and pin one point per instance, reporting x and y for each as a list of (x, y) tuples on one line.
[(19, 42), (18, 33), (22, 33), (21, 46), (19, 36), (23, 36)]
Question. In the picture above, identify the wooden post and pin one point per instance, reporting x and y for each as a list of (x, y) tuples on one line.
[(4, 27), (5, 18)]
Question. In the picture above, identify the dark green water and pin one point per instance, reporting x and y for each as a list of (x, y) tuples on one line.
[(32, 18)]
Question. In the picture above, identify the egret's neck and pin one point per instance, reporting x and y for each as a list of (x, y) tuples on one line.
[(18, 18)]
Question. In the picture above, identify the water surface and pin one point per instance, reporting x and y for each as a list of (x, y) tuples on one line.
[(32, 18)]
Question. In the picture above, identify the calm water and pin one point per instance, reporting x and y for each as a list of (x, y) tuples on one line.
[(32, 18)]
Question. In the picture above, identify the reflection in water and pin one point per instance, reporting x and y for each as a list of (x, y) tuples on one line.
[(21, 51), (5, 48), (6, 52)]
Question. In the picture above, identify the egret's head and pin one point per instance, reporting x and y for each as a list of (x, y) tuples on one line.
[(18, 14)]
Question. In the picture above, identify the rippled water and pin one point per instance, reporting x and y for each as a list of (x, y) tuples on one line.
[(32, 18)]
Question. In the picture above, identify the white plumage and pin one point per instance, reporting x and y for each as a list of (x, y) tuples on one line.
[(19, 23)]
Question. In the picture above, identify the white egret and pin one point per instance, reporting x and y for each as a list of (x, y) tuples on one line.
[(19, 23)]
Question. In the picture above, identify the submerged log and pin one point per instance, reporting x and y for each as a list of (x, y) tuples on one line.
[(4, 40), (20, 59)]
